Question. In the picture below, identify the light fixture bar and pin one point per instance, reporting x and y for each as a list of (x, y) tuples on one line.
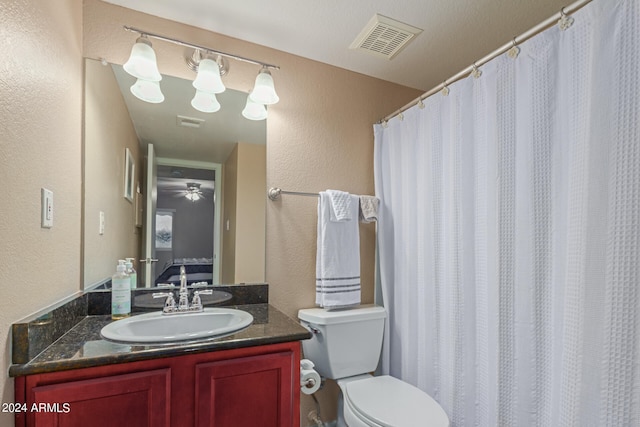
[(195, 46)]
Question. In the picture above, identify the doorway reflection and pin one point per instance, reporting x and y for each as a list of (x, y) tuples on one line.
[(184, 232)]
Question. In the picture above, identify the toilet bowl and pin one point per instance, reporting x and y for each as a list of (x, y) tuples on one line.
[(386, 401), (345, 346)]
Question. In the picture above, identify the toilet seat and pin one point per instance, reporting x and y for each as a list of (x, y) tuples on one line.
[(386, 401)]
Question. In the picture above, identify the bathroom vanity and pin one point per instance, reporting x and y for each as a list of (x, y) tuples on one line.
[(246, 379)]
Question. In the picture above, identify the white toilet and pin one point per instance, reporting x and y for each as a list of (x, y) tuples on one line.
[(345, 347)]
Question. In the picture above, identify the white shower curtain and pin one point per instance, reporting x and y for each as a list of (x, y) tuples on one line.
[(509, 232)]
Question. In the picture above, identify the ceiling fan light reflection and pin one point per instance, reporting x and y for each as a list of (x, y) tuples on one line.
[(194, 197)]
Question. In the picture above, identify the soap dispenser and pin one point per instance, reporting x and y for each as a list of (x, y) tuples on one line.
[(120, 292), (133, 276)]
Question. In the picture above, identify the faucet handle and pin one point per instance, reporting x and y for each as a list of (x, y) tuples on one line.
[(196, 303), (169, 304), (199, 284), (166, 285)]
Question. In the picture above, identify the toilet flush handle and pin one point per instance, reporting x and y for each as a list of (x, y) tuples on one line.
[(312, 328)]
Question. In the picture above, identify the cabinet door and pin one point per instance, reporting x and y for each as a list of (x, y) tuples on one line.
[(137, 399), (247, 391)]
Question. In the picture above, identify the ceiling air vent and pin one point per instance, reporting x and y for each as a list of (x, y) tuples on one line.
[(384, 37), (189, 122)]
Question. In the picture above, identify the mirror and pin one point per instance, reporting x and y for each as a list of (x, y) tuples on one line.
[(208, 188)]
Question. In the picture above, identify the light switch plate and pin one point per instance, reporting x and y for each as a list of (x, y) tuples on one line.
[(47, 208)]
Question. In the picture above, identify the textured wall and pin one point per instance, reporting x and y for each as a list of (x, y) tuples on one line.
[(40, 146), (108, 130)]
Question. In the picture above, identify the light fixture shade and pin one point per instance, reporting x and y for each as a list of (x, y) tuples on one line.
[(142, 61), (147, 91), (194, 197), (208, 78), (253, 110), (205, 102), (264, 92)]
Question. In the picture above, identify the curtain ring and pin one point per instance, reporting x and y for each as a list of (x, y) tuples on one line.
[(514, 51), (475, 72), (445, 89), (565, 20)]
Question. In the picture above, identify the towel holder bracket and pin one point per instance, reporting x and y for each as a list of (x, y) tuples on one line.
[(274, 193)]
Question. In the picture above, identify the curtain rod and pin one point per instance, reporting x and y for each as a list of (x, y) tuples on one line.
[(195, 46), (567, 10)]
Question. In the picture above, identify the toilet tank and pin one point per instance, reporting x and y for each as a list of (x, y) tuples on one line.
[(344, 342)]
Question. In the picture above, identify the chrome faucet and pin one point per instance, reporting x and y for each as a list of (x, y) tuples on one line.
[(183, 305), (183, 302)]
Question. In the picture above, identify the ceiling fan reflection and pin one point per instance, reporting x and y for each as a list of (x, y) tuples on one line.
[(193, 192)]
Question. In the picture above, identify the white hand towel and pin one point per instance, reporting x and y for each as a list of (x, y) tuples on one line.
[(337, 257), (340, 205), (369, 208)]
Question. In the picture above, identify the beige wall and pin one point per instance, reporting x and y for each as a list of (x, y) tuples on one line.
[(319, 136), (228, 243), (40, 146), (243, 258), (108, 130), (250, 217)]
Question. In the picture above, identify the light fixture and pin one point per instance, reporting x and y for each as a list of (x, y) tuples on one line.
[(253, 110), (193, 191), (264, 92), (148, 91), (205, 102), (194, 197), (210, 65), (208, 79), (142, 61)]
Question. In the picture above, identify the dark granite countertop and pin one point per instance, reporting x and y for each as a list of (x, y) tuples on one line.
[(82, 347)]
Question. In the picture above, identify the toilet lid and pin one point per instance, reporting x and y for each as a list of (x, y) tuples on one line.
[(390, 402)]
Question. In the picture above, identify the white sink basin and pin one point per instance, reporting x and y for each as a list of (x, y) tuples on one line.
[(155, 327)]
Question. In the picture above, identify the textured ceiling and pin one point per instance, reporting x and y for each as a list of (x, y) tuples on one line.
[(456, 32)]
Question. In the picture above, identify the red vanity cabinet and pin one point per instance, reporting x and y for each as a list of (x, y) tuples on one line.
[(226, 388)]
